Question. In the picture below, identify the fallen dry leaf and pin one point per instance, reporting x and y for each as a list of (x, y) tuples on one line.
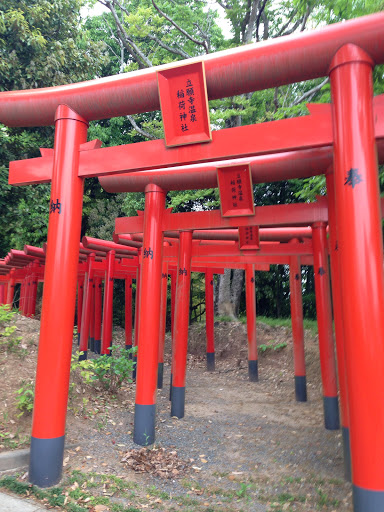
[(156, 461)]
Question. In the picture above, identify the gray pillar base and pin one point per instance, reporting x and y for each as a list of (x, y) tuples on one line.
[(301, 388), (347, 454), (46, 461), (97, 346), (210, 361), (365, 500), (160, 374), (170, 388), (92, 344), (331, 412), (253, 371), (144, 427), (78, 338), (128, 347), (178, 402), (83, 356)]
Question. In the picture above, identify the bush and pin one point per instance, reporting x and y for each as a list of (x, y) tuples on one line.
[(108, 371), (26, 396), (8, 340)]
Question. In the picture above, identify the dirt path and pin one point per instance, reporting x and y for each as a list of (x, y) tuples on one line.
[(249, 446)]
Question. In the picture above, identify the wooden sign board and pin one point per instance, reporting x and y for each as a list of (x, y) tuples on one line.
[(184, 104), (236, 191), (249, 237)]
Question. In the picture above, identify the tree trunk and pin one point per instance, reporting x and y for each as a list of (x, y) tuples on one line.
[(236, 289), (225, 306)]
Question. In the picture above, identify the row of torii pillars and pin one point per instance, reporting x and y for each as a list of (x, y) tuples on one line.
[(89, 318), (89, 323)]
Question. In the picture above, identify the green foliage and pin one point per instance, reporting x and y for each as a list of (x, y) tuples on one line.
[(310, 325), (10, 440), (42, 43), (25, 397), (108, 371), (8, 340), (276, 347)]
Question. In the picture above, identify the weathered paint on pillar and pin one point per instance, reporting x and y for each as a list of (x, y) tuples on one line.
[(361, 269), (106, 332), (180, 343), (250, 299), (296, 299), (209, 321), (325, 328), (59, 299), (149, 317)]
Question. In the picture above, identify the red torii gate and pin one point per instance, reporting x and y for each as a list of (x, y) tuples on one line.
[(347, 52)]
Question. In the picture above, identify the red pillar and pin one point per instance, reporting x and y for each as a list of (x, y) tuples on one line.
[(163, 318), (106, 333), (180, 333), (2, 293), (26, 285), (250, 299), (27, 302), (325, 328), (11, 288), (338, 319), (209, 321), (361, 269), (173, 299), (149, 316), (128, 312), (137, 315), (80, 298), (22, 296), (92, 319), (98, 313), (297, 328), (59, 298), (173, 307), (35, 281), (87, 305)]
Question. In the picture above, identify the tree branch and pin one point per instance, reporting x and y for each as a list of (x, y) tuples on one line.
[(261, 14), (180, 29), (284, 27), (175, 51), (140, 130), (251, 21), (225, 6), (305, 18), (309, 94), (130, 45)]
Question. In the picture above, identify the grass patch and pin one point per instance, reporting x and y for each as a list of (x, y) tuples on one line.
[(310, 325)]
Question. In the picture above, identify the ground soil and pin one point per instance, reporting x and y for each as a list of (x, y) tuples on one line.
[(246, 446)]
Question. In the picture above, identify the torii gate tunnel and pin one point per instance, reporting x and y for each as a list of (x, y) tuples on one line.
[(347, 52)]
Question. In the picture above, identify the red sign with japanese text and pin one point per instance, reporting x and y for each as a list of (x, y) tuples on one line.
[(249, 237), (236, 191), (184, 104)]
